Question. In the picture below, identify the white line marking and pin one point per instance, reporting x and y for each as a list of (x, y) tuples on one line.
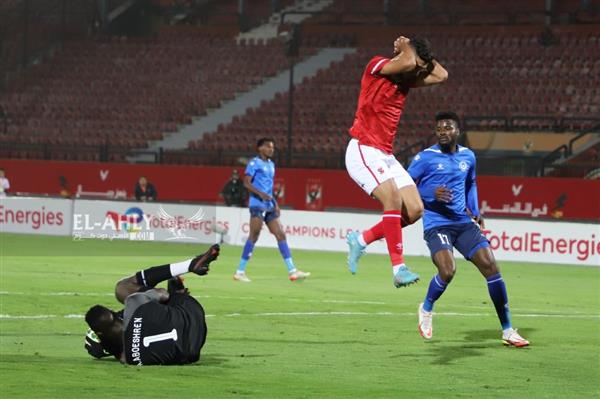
[(74, 316), (195, 296), (326, 314), (56, 293), (341, 313), (41, 316), (345, 301), (526, 312)]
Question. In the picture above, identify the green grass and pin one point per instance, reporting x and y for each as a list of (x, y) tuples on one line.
[(375, 351)]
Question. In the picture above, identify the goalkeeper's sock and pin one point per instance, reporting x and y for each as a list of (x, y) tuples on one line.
[(373, 234), (497, 290), (437, 286), (154, 275), (286, 254), (246, 254)]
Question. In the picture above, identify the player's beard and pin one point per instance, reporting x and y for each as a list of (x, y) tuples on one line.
[(448, 146)]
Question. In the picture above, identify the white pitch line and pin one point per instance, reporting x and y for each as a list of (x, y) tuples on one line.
[(526, 312), (324, 314), (56, 293), (320, 314), (40, 316), (195, 296)]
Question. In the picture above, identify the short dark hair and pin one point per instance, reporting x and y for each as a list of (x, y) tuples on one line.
[(99, 318), (264, 140), (422, 47), (447, 115)]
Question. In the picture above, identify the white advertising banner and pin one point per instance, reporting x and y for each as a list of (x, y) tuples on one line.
[(144, 221), (545, 242), (326, 231), (511, 240), (33, 215)]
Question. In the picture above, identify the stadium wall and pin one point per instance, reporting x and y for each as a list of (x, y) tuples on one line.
[(300, 189), (550, 242)]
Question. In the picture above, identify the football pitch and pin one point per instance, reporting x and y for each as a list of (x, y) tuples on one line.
[(334, 335)]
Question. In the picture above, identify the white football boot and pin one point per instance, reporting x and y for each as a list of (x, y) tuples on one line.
[(241, 277), (425, 323), (298, 275), (510, 337)]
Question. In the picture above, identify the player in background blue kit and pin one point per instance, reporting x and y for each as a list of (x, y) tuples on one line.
[(445, 177), (258, 180)]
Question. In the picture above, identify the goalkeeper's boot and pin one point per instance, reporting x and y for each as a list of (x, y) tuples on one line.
[(355, 251), (200, 263), (404, 277), (298, 275), (425, 323), (510, 337)]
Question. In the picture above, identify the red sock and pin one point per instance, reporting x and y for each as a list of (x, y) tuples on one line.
[(374, 233), (392, 228)]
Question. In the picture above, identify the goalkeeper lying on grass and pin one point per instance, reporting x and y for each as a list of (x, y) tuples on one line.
[(157, 326)]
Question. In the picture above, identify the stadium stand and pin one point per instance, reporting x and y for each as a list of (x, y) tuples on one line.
[(97, 99), (484, 82), (585, 164), (124, 92), (226, 12)]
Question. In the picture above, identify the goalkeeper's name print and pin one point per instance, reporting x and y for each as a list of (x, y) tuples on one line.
[(135, 341)]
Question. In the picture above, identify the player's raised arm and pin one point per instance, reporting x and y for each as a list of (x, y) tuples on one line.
[(435, 74), (405, 61)]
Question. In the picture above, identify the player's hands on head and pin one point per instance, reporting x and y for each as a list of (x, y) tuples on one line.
[(443, 194), (401, 44)]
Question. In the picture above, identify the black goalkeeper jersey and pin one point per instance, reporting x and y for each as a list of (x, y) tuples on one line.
[(171, 333)]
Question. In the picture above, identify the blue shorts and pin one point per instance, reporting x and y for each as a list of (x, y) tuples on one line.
[(267, 215), (467, 238)]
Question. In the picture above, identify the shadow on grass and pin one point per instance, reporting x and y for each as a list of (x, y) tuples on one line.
[(473, 344), (210, 360), (297, 341)]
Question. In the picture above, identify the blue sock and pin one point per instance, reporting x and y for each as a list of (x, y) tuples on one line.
[(286, 255), (498, 294), (437, 286), (246, 254)]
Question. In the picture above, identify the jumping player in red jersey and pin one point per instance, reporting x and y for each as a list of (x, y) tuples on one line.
[(384, 87)]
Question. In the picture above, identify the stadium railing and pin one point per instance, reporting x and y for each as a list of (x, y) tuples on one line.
[(562, 154)]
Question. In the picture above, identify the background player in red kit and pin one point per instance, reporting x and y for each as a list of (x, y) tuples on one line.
[(369, 160)]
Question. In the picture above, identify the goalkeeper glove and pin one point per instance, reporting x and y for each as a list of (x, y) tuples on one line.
[(93, 345)]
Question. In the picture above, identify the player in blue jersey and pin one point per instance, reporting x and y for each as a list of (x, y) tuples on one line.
[(445, 177), (258, 180)]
